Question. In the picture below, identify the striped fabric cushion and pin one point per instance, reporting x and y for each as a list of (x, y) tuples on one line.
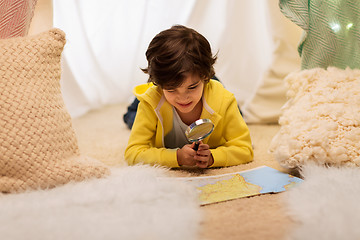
[(15, 17), (331, 31)]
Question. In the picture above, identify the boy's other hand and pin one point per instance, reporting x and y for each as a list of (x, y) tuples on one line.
[(203, 156)]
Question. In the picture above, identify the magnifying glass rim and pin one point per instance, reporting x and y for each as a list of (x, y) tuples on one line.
[(198, 123)]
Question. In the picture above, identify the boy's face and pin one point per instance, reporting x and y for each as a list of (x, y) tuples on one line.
[(185, 97)]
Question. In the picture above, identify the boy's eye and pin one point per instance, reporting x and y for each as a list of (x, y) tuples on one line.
[(193, 87)]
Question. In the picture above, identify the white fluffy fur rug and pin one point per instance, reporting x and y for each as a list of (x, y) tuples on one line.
[(133, 203), (326, 205)]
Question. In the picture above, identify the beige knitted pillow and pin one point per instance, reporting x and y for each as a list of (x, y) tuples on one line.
[(38, 146)]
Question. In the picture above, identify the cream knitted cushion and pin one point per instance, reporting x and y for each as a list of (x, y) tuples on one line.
[(321, 122), (38, 146)]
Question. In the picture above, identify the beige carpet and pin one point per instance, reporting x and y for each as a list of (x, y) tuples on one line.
[(103, 135)]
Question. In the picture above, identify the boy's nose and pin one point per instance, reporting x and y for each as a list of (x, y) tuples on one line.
[(183, 96)]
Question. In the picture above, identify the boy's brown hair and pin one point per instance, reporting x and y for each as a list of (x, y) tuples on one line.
[(176, 51)]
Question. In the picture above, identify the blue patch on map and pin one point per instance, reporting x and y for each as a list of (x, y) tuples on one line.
[(269, 179)]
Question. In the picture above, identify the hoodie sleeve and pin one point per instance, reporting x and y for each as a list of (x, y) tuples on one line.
[(236, 147), (141, 145)]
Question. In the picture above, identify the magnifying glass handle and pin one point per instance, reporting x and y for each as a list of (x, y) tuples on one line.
[(196, 146)]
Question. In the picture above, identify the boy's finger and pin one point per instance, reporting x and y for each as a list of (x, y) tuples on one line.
[(201, 164)]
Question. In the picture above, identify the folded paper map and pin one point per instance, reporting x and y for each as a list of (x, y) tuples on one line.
[(247, 183)]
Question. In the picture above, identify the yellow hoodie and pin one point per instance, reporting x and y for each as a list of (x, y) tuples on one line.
[(230, 142)]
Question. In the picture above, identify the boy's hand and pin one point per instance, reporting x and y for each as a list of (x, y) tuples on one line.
[(185, 155), (189, 157), (203, 156)]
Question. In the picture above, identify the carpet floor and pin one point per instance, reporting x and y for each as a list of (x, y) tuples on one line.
[(134, 203), (103, 135)]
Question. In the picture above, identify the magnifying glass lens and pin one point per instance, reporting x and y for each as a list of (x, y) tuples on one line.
[(199, 130)]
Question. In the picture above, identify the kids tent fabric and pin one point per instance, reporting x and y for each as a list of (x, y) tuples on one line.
[(331, 31)]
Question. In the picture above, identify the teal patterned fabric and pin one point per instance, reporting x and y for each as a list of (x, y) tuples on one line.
[(331, 31)]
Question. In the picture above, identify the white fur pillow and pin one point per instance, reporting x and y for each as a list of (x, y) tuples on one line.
[(321, 121)]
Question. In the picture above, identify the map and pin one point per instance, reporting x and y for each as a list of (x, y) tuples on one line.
[(247, 183)]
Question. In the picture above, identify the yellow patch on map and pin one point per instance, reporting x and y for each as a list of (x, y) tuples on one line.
[(235, 187)]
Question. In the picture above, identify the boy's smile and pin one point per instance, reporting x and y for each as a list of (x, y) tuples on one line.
[(187, 97)]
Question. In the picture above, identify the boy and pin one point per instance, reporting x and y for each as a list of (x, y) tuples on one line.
[(180, 91)]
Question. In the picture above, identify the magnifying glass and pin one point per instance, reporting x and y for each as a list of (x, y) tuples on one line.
[(199, 130)]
